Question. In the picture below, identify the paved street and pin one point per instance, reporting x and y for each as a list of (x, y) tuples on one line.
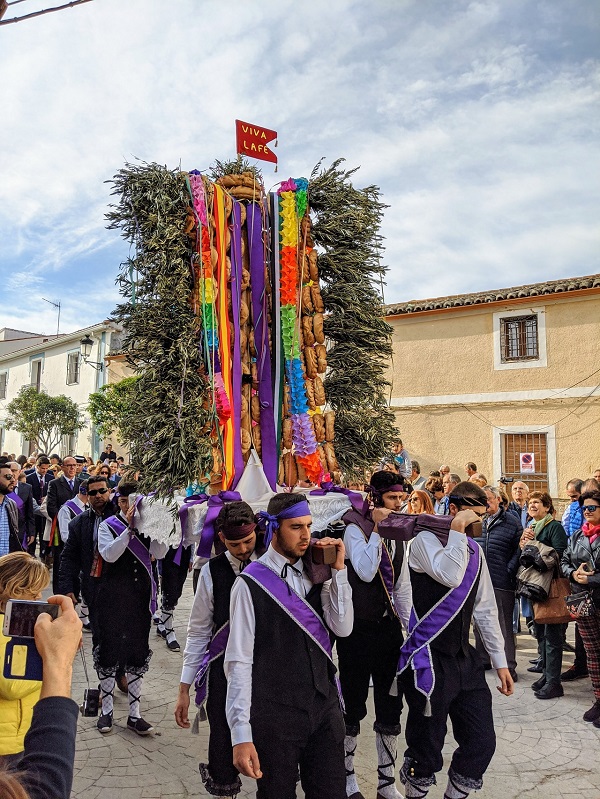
[(544, 748)]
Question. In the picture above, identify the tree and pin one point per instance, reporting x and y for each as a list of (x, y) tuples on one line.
[(43, 419), (112, 408)]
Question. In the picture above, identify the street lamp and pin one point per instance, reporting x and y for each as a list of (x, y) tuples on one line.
[(86, 350)]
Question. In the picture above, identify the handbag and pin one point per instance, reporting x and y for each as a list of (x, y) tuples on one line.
[(580, 605), (554, 609)]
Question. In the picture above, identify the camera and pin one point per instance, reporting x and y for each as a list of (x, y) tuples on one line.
[(506, 480), (91, 702)]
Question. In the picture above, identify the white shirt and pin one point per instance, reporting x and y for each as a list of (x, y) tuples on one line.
[(365, 556), (336, 598), (64, 517), (200, 625), (112, 548), (447, 565)]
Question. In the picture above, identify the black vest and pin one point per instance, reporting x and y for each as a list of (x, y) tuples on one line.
[(427, 592), (370, 600), (127, 565), (223, 578), (288, 666)]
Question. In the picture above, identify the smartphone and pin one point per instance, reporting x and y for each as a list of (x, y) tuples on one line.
[(21, 615)]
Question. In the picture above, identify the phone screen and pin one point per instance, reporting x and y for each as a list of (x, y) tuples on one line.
[(21, 616)]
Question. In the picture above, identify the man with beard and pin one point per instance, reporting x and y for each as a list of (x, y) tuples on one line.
[(283, 705), (10, 539), (23, 496), (208, 631)]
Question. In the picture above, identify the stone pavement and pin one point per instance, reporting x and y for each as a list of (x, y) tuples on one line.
[(545, 750)]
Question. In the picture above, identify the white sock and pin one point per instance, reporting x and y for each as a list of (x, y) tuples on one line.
[(453, 791), (170, 636), (387, 752), (134, 690), (350, 744), (107, 692), (84, 613), (414, 791)]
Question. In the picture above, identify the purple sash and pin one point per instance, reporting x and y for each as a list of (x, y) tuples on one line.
[(356, 500), (73, 506), (296, 607), (215, 649), (139, 551), (416, 651), (236, 368)]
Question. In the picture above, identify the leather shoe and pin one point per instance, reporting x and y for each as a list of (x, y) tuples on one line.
[(537, 668), (514, 675), (552, 690), (573, 674), (535, 660), (538, 684)]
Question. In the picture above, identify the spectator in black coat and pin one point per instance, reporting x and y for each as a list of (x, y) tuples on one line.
[(500, 542), (26, 510), (39, 480)]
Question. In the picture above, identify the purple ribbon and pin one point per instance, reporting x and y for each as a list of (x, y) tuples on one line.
[(416, 651), (195, 499), (216, 648), (236, 293), (356, 500), (138, 550), (73, 506), (215, 503), (261, 341)]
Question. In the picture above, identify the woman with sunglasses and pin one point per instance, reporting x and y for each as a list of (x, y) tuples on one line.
[(545, 529), (420, 502), (581, 564)]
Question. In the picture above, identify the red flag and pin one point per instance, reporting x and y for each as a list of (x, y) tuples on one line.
[(252, 140)]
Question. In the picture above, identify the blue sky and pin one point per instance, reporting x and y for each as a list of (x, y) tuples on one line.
[(478, 120)]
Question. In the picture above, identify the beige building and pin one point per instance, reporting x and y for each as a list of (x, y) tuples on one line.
[(509, 379)]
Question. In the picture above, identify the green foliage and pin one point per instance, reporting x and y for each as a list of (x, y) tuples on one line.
[(346, 227), (170, 409), (233, 167), (111, 408), (43, 419)]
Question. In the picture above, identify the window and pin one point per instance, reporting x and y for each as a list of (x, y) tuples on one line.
[(36, 374), (519, 338), (3, 384), (73, 364), (530, 449)]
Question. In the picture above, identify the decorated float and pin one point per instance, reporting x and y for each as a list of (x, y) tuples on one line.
[(254, 322)]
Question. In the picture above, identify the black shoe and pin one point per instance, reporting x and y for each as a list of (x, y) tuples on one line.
[(573, 674), (534, 661), (162, 633), (538, 684), (87, 628), (593, 714), (568, 647), (514, 675), (552, 690), (597, 723), (140, 726), (105, 723), (537, 668), (173, 645)]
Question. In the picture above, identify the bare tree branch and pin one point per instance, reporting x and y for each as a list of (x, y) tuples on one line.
[(3, 7)]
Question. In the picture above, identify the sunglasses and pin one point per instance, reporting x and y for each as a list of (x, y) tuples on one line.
[(590, 508), (95, 491)]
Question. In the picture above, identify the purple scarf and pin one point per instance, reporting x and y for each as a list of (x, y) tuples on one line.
[(139, 551), (216, 648), (416, 651)]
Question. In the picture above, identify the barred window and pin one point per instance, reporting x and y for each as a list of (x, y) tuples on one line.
[(3, 384), (72, 368), (519, 338)]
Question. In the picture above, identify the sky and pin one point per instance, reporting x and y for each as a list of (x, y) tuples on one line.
[(478, 120)]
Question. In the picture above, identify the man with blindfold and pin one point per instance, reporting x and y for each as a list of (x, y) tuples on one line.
[(372, 650), (283, 704), (445, 584), (207, 635)]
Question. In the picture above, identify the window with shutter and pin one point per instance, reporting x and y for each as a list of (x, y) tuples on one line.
[(72, 368)]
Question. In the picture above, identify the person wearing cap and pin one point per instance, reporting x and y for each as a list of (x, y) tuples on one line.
[(283, 703), (372, 650), (206, 640), (445, 584), (125, 601)]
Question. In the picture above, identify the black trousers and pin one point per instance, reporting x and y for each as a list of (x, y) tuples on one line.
[(462, 694), (371, 650), (220, 756), (311, 738), (173, 577), (40, 526)]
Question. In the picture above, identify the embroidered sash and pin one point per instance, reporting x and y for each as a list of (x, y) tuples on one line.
[(215, 650), (296, 607), (416, 651), (139, 551), (74, 507)]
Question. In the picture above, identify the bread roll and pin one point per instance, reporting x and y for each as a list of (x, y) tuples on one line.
[(329, 425), (318, 328), (319, 391)]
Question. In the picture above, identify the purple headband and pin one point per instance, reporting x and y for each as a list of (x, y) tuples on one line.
[(270, 523), (379, 492)]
